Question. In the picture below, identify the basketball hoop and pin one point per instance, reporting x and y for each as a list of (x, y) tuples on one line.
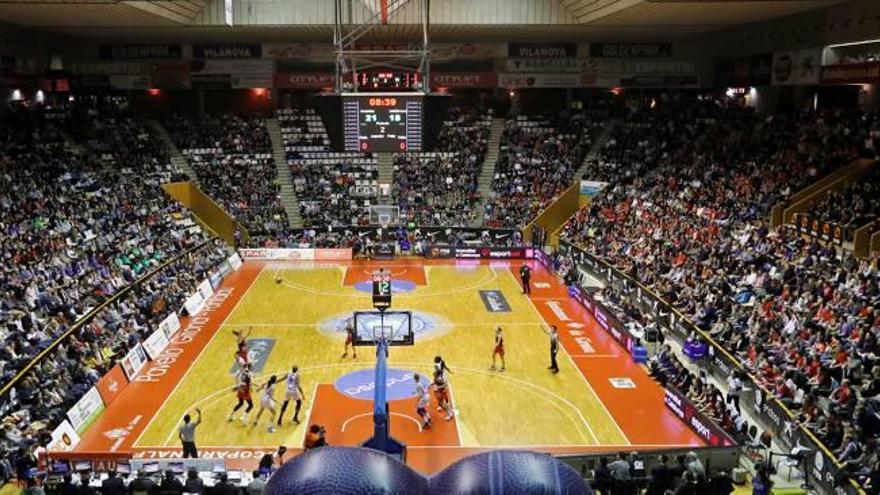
[(384, 215)]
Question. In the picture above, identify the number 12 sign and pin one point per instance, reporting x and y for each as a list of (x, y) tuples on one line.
[(382, 291)]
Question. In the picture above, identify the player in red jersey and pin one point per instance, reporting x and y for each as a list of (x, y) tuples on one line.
[(243, 393), (349, 340), (441, 393), (241, 353), (499, 348)]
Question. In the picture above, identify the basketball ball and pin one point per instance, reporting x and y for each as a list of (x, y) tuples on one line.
[(516, 471), (344, 471)]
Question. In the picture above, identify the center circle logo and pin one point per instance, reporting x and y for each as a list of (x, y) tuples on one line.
[(361, 384), (424, 325)]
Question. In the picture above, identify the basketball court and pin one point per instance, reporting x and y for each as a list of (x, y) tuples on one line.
[(296, 313)]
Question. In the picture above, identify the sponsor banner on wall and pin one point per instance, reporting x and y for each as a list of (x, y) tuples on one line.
[(235, 261), (194, 303), (146, 51), (542, 50), (690, 81), (797, 67), (130, 82), (108, 68), (327, 254), (592, 187), (479, 252), (866, 73), (210, 81), (215, 277), (155, 343), (170, 325), (631, 50), (304, 80), (545, 64), (205, 289), (439, 51), (225, 268), (223, 73), (277, 254), (86, 410), (112, 384), (515, 80), (227, 50), (64, 438), (464, 80), (245, 81), (134, 361), (711, 433)]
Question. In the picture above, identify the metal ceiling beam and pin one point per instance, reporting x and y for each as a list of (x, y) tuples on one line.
[(166, 10), (587, 11)]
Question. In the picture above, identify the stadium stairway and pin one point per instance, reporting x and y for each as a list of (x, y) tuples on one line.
[(488, 171), (596, 149), (285, 181), (386, 171), (177, 159)]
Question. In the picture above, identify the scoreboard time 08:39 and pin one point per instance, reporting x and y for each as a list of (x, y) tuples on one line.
[(384, 123)]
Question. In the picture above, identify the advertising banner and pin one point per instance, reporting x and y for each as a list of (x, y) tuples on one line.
[(109, 68), (545, 64), (866, 73), (134, 361), (64, 438), (111, 384), (85, 411), (227, 50), (234, 261), (155, 343), (277, 254), (797, 67), (205, 289), (154, 51), (304, 80), (326, 254), (464, 80), (215, 277), (130, 82), (494, 301), (225, 268), (539, 80), (483, 252), (605, 318), (542, 50), (170, 325), (711, 433), (194, 303), (631, 50)]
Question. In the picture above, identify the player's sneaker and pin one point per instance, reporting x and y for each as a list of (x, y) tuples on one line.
[(271, 429), (492, 368), (502, 369), (448, 417), (295, 421), (439, 408)]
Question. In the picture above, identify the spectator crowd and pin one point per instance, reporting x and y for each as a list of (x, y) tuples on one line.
[(690, 225), (83, 217)]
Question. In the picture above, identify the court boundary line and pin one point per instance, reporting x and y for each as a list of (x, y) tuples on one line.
[(198, 357), (538, 390), (456, 411), (571, 360)]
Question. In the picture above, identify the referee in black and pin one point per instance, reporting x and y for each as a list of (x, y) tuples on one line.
[(554, 348), (525, 273), (187, 435)]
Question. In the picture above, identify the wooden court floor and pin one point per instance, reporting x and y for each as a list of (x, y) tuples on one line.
[(295, 313)]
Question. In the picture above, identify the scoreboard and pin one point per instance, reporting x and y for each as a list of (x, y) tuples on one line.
[(382, 290), (382, 122)]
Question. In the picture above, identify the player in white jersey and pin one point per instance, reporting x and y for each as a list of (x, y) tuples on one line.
[(267, 401), (294, 393), (424, 400)]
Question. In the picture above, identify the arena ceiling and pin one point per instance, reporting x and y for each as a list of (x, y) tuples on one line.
[(451, 20)]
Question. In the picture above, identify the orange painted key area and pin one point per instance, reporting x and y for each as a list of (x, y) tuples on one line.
[(274, 300)]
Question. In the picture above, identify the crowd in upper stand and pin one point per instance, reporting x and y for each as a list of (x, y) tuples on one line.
[(82, 216), (232, 159), (333, 188), (691, 226), (537, 160), (441, 187), (855, 205)]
